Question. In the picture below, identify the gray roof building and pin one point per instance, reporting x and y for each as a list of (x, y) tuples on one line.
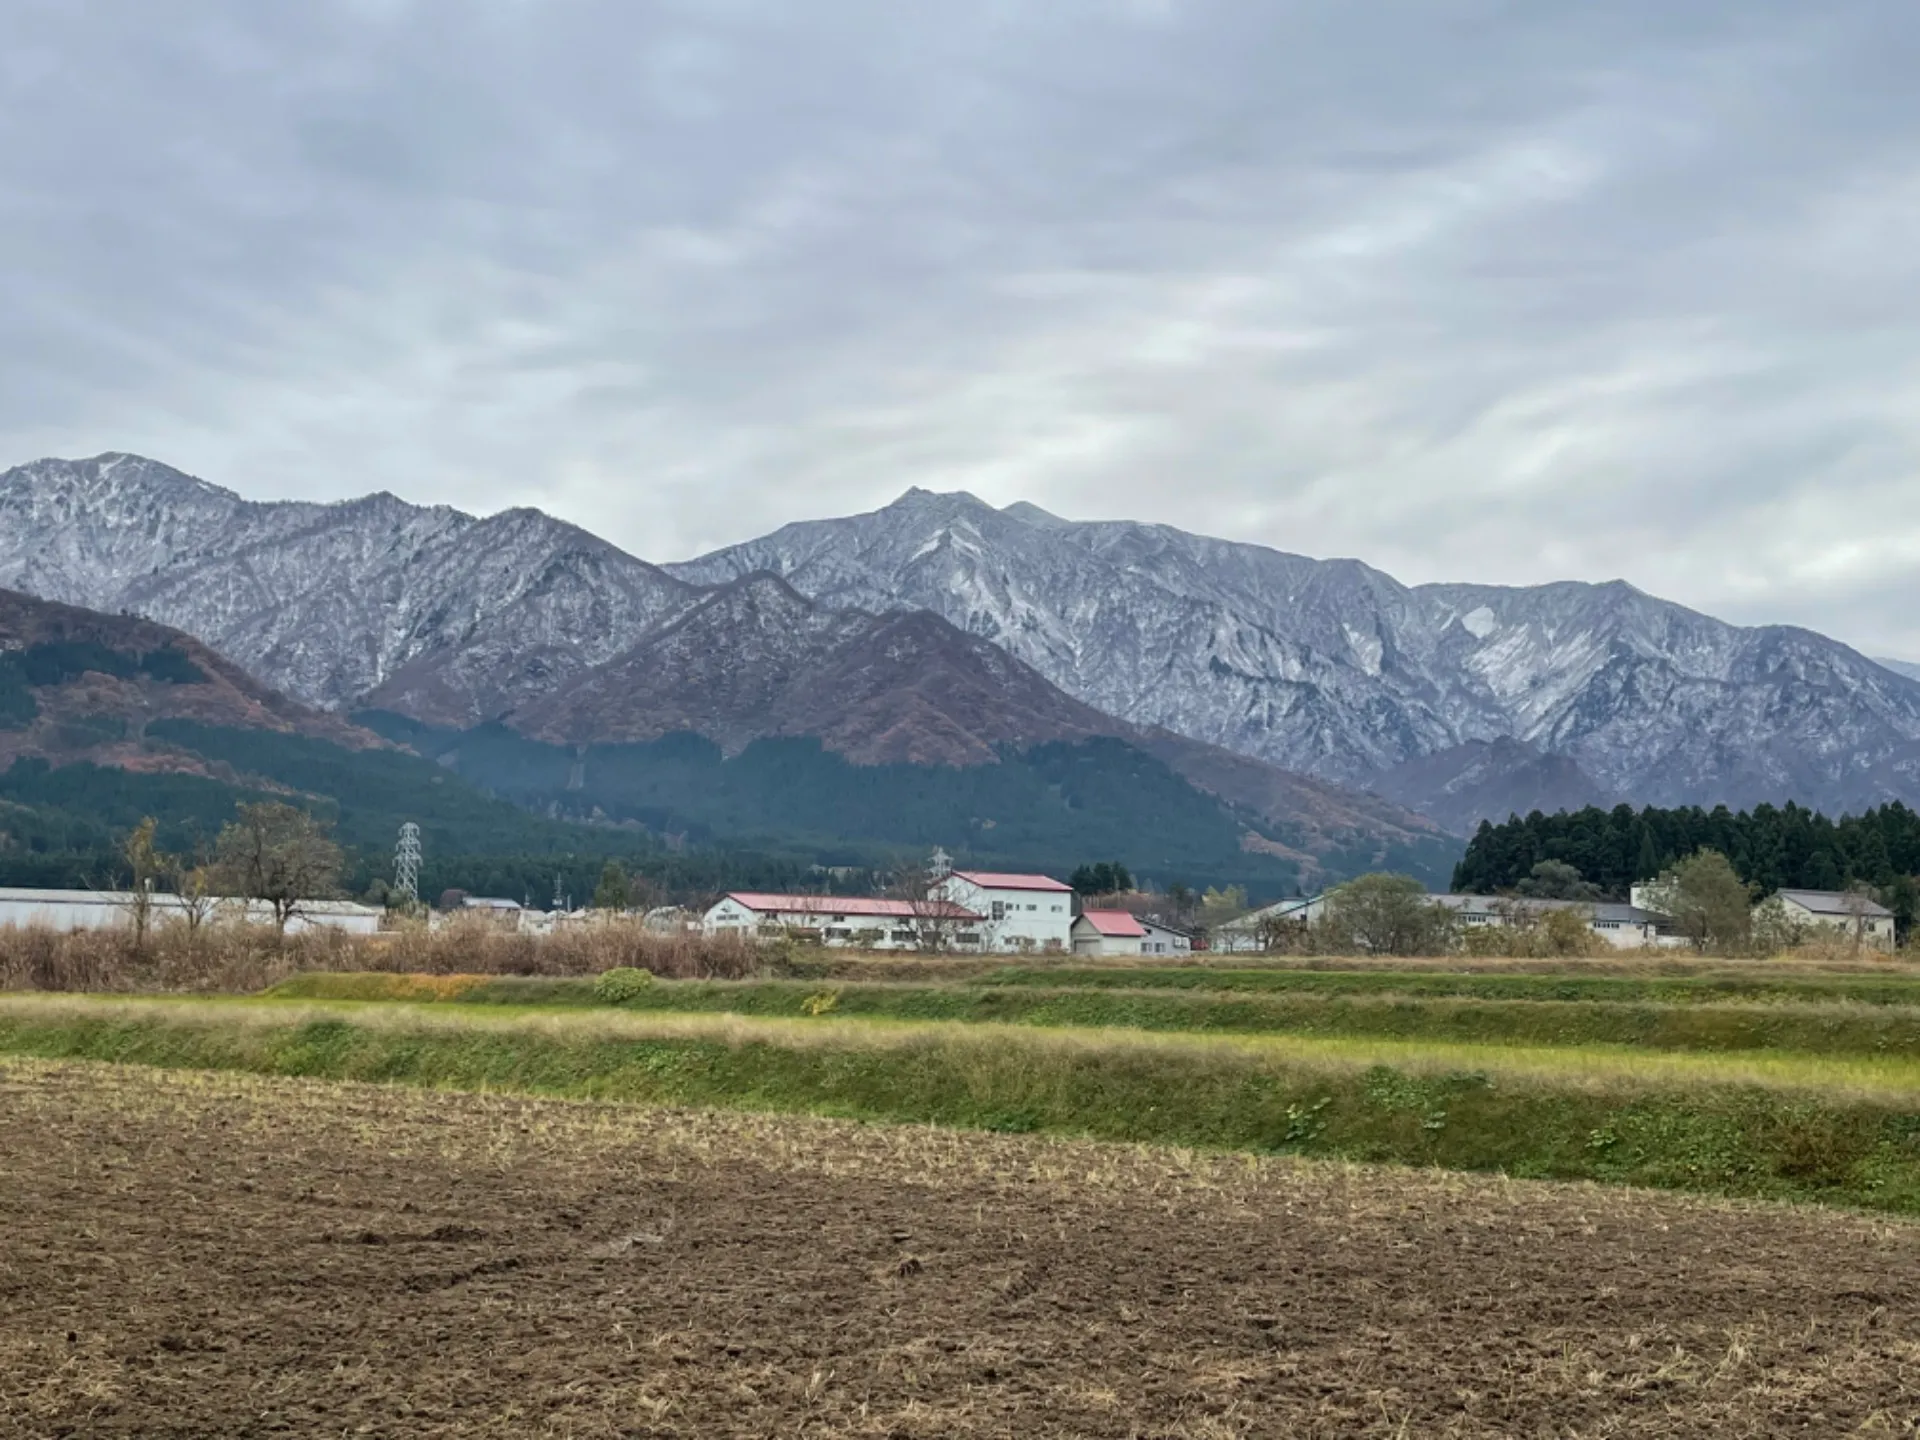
[(1836, 902)]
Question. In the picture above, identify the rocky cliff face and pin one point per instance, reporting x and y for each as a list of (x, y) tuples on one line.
[(1338, 670)]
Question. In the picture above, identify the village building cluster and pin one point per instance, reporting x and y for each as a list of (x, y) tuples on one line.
[(1633, 925), (981, 911), (963, 911)]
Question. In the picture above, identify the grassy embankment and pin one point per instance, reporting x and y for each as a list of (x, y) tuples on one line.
[(1568, 980), (1837, 1128), (1833, 1027)]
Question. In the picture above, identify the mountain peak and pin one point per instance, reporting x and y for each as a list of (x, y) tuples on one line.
[(1028, 513), (329, 603), (916, 500), (114, 470), (1326, 667)]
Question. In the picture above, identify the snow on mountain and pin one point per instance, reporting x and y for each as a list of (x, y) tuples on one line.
[(452, 620), (334, 603), (1336, 669), (1327, 667)]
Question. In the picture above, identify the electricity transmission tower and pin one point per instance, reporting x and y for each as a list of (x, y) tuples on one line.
[(406, 863)]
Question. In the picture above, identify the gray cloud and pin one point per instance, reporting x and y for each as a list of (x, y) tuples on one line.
[(1471, 290)]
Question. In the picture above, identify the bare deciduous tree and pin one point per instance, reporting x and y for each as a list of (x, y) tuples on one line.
[(937, 923), (196, 887), (279, 855), (1386, 914), (144, 859)]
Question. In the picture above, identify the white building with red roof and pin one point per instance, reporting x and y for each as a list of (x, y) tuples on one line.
[(933, 924), (1019, 912), (1109, 932)]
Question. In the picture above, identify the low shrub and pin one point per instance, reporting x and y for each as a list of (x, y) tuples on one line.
[(621, 984)]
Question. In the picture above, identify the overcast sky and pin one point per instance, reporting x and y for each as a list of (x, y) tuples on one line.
[(1472, 291)]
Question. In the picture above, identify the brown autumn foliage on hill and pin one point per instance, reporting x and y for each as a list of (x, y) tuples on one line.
[(89, 714)]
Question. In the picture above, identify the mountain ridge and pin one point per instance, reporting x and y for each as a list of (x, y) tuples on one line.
[(1336, 669), (484, 630), (1327, 668)]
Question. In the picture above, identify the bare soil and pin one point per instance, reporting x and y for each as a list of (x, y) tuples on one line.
[(194, 1255)]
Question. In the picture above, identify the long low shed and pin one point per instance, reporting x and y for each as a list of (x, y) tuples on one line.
[(64, 910)]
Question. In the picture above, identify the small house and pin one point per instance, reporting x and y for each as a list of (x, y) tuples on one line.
[(1108, 932), (1164, 939), (1249, 932)]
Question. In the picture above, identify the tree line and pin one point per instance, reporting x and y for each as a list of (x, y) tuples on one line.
[(1770, 847)]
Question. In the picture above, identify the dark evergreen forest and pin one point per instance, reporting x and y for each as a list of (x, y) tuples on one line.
[(1772, 847)]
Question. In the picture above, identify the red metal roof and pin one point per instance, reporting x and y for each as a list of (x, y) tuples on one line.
[(989, 880), (851, 905), (1114, 922)]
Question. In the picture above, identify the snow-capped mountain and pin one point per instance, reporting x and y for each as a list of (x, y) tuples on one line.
[(1339, 670), (450, 621), (334, 604), (1325, 667)]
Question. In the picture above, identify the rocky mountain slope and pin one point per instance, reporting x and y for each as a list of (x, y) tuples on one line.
[(1480, 779), (330, 602), (755, 660), (1324, 667), (1336, 669), (376, 605)]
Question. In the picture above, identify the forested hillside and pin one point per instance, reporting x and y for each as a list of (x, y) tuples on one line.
[(1771, 846), (61, 825), (1047, 806)]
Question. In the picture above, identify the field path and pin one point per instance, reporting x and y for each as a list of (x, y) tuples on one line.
[(191, 1254)]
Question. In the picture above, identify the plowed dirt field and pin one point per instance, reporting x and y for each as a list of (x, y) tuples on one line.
[(193, 1255)]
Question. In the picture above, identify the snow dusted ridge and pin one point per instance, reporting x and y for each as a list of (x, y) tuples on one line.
[(334, 603), (1329, 667), (1336, 669)]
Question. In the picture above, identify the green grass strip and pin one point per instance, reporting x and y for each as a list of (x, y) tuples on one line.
[(1845, 1132), (1810, 1029), (1744, 985)]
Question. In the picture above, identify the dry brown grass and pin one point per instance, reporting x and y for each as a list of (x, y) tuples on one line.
[(240, 959), (234, 958)]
